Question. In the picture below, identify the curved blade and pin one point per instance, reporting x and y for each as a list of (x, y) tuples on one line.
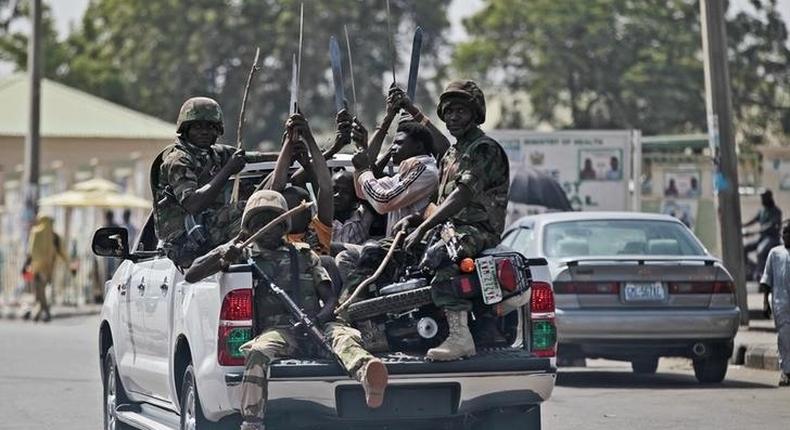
[(414, 67), (337, 73)]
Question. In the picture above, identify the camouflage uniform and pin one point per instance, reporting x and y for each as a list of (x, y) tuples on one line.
[(480, 164), (184, 169), (278, 339), (180, 170)]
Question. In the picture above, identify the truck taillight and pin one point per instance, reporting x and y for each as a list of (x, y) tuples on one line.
[(543, 329), (542, 299), (237, 306), (507, 275), (229, 340), (235, 327)]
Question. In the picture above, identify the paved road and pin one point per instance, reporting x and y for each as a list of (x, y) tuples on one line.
[(49, 375), (49, 379)]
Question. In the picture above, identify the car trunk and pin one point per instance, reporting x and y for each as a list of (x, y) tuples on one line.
[(640, 283)]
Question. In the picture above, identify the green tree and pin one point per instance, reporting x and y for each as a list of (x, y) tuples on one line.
[(626, 64), (151, 55), (13, 45)]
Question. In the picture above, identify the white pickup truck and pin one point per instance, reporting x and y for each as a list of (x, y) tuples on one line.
[(169, 358)]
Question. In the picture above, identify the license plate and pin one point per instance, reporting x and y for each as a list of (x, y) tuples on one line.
[(486, 272), (644, 292)]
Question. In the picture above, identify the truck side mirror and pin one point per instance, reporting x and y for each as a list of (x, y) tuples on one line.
[(111, 242)]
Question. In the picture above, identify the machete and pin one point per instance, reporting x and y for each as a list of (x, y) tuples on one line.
[(337, 73), (414, 67), (351, 70), (390, 37)]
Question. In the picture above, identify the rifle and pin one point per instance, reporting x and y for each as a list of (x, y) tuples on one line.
[(300, 320)]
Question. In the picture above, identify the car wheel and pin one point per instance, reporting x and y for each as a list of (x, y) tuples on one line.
[(523, 418), (711, 370), (192, 417), (645, 366), (114, 394)]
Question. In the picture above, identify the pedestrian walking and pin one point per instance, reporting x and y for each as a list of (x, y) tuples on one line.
[(777, 277), (45, 248), (130, 227)]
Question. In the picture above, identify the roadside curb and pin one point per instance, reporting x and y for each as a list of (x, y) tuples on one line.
[(756, 348)]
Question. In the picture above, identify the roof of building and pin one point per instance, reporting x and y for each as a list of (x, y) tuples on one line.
[(674, 143), (68, 112)]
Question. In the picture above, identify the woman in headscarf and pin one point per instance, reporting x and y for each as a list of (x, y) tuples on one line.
[(44, 246)]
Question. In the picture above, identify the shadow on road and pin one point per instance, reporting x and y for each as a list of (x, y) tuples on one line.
[(626, 379)]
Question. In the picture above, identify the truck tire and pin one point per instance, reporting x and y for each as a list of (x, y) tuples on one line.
[(397, 302), (191, 412), (113, 393), (521, 418), (711, 370)]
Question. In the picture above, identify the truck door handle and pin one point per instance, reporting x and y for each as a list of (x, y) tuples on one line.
[(164, 285), (141, 287), (122, 289)]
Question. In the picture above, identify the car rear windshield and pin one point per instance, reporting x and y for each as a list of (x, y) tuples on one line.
[(619, 237)]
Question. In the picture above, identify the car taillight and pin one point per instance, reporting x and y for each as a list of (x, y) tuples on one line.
[(723, 288), (701, 287), (542, 299), (587, 287), (543, 330), (507, 275), (235, 321), (237, 306)]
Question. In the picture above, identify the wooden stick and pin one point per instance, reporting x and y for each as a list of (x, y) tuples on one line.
[(240, 125), (361, 287), (282, 217)]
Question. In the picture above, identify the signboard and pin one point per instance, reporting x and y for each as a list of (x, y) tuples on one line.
[(593, 167)]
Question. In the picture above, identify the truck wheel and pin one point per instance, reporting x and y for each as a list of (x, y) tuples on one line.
[(114, 394), (522, 418), (397, 302), (192, 417), (645, 366), (711, 370)]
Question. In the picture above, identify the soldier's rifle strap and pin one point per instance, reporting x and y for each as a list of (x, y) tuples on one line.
[(296, 285)]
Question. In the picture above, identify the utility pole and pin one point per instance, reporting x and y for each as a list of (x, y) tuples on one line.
[(718, 101), (33, 139)]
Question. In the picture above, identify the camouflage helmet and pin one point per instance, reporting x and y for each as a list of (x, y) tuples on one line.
[(467, 91), (263, 201), (200, 109)]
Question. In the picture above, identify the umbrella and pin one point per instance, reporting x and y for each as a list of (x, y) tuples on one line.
[(95, 199), (97, 184), (533, 187)]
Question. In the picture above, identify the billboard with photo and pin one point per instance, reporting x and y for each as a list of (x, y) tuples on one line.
[(593, 167)]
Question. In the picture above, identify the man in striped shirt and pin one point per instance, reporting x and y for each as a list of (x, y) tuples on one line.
[(409, 190)]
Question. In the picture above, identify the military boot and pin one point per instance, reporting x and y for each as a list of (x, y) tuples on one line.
[(374, 382), (459, 342)]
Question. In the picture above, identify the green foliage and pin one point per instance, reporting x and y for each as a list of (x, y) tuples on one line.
[(624, 63), (151, 55)]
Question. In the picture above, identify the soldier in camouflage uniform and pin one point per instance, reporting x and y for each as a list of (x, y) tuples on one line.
[(277, 338), (473, 193), (189, 184)]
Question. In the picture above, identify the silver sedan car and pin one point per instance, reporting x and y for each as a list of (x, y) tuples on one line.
[(633, 287)]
